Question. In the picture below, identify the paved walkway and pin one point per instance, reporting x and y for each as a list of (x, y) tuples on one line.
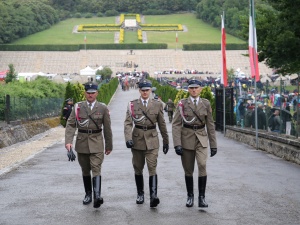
[(245, 186)]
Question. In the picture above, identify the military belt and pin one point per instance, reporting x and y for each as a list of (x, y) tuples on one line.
[(145, 127), (89, 131), (194, 127)]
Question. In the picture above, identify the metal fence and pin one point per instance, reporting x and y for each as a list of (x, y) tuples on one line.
[(18, 108)]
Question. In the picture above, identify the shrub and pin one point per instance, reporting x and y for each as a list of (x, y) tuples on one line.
[(88, 15), (155, 12), (99, 14), (77, 15), (111, 12)]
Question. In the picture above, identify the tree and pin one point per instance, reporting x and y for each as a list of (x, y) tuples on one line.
[(11, 75), (230, 75), (278, 35), (106, 73)]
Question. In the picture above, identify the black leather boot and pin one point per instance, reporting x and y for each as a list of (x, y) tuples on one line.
[(139, 180), (154, 200), (87, 182), (202, 187), (190, 191), (98, 201)]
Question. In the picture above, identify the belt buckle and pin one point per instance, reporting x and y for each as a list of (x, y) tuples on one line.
[(89, 131), (145, 128), (195, 127)]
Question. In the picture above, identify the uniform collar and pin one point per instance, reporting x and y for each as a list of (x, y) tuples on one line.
[(192, 99)]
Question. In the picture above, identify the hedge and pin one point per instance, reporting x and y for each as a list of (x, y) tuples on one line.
[(217, 46), (82, 47)]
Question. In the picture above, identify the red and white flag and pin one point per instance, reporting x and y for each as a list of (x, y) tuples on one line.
[(223, 49), (253, 44), (176, 37)]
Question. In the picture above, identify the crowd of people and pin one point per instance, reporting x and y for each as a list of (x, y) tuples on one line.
[(275, 112), (186, 71), (129, 80), (269, 100)]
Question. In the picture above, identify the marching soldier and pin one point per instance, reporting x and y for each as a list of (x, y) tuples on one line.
[(142, 137), (170, 106), (190, 139), (93, 122), (68, 109)]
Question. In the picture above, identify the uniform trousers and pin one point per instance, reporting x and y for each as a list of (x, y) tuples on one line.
[(188, 160), (92, 161), (140, 156), (170, 113)]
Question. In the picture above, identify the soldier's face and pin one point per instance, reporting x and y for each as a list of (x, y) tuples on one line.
[(91, 97), (194, 91), (145, 93)]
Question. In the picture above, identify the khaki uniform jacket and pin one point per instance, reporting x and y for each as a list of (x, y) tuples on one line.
[(187, 137), (170, 106), (145, 139), (90, 143)]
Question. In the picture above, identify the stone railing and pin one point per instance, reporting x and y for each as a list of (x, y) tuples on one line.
[(284, 146)]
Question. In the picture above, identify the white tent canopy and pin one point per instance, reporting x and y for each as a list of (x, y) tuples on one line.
[(88, 71), (99, 68)]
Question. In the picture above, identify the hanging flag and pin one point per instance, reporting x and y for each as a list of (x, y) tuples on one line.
[(223, 49), (176, 37), (253, 44), (84, 38)]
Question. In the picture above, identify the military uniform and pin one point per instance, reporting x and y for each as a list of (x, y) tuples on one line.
[(142, 137), (170, 109), (67, 109), (92, 125), (191, 142)]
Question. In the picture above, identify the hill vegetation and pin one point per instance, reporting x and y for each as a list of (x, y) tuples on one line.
[(277, 21), (197, 32), (21, 18)]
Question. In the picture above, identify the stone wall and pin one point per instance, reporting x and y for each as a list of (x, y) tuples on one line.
[(283, 146), (18, 131)]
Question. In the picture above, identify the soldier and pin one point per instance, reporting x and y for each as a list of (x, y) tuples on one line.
[(68, 109), (190, 138), (170, 109), (90, 117), (142, 137)]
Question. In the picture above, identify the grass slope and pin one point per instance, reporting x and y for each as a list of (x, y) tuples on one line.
[(197, 32)]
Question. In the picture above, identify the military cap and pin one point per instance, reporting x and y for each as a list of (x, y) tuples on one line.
[(91, 87), (145, 85), (69, 99), (194, 83)]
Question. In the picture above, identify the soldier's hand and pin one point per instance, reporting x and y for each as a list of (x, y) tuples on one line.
[(213, 151), (129, 144), (71, 155), (178, 150), (166, 148)]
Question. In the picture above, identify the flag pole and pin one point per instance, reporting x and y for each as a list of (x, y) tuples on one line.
[(224, 70), (85, 41), (176, 40), (255, 64)]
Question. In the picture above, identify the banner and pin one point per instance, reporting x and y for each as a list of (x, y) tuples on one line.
[(253, 44), (223, 48)]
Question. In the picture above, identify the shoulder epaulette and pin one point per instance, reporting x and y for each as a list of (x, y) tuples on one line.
[(184, 99), (102, 103), (206, 101)]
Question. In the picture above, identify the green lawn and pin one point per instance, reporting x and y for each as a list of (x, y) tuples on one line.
[(197, 32)]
